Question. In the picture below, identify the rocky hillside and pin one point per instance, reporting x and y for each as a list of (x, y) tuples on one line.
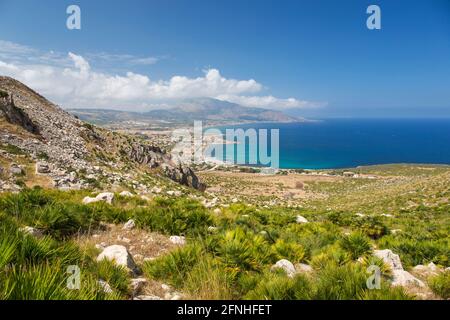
[(70, 152)]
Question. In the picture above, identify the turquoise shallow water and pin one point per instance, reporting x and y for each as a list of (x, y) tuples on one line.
[(351, 143)]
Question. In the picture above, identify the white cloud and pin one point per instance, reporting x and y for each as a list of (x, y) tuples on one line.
[(71, 82)]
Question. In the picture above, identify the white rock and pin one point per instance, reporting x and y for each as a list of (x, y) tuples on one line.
[(212, 229), (131, 224), (390, 258), (105, 196), (429, 270), (137, 284), (286, 265), (217, 211), (166, 287), (178, 240), (105, 286), (301, 219), (405, 279), (108, 197), (145, 198), (32, 231), (119, 255), (126, 194), (88, 200)]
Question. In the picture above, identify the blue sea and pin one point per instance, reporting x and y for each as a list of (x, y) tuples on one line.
[(349, 143)]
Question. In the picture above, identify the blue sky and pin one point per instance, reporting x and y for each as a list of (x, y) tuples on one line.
[(317, 56)]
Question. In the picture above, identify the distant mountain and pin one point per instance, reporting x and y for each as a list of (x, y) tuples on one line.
[(204, 109)]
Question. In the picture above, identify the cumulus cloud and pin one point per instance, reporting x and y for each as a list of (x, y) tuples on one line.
[(73, 83)]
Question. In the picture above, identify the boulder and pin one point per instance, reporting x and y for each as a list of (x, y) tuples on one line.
[(131, 224), (15, 170), (32, 231), (405, 279), (42, 168), (108, 197), (119, 255), (126, 194), (286, 265), (390, 258), (178, 240), (105, 196), (426, 271), (301, 219)]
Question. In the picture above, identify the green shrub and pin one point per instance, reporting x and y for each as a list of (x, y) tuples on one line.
[(174, 266), (117, 277), (180, 216), (244, 251), (345, 282), (276, 287), (209, 280), (356, 245), (440, 285), (289, 250)]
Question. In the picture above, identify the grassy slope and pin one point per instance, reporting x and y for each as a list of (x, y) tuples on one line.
[(233, 261)]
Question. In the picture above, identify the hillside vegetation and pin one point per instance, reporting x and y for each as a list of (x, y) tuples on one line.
[(230, 251)]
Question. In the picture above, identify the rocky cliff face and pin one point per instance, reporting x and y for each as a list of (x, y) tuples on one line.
[(70, 146)]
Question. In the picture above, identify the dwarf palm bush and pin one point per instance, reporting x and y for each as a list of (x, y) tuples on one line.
[(117, 277), (289, 250), (209, 280), (345, 282), (356, 245), (241, 250), (174, 266), (440, 285), (181, 216), (276, 287)]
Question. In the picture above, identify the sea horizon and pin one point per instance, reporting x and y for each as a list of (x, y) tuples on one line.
[(338, 143)]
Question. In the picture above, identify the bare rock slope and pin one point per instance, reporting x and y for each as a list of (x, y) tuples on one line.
[(72, 148)]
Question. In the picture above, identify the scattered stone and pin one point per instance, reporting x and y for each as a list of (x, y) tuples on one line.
[(426, 271), (119, 255), (405, 279), (301, 219), (108, 197), (126, 194), (32, 231), (105, 196), (390, 258), (42, 168), (131, 224), (286, 265), (178, 240), (15, 170), (137, 284), (217, 211), (212, 229)]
